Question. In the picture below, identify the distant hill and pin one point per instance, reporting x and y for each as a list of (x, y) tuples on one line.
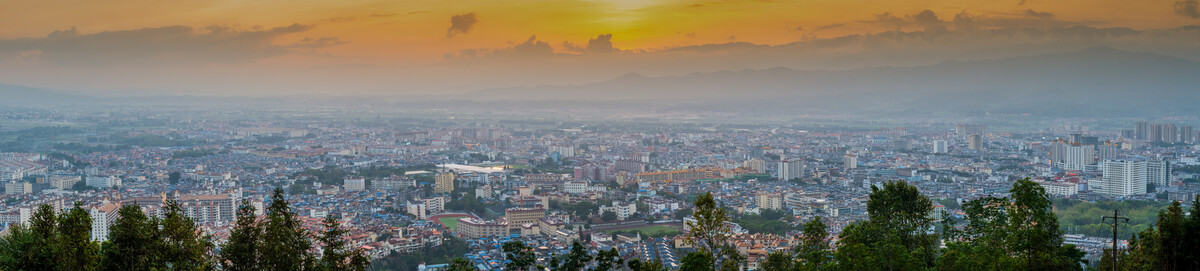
[(24, 95), (1093, 81)]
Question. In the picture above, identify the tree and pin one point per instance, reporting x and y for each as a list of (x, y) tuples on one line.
[(241, 252), (285, 243), (682, 213), (132, 241), (696, 261), (709, 233), (609, 260), (182, 245), (813, 250), (577, 258), (521, 256), (608, 216), (460, 264), (896, 236), (43, 248), (16, 248), (335, 254), (1169, 245), (778, 261), (76, 251), (1019, 232), (1038, 240), (1191, 233), (174, 177), (638, 265)]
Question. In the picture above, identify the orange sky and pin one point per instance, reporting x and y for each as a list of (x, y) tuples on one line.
[(409, 35)]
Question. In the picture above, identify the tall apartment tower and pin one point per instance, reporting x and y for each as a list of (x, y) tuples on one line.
[(1129, 177), (1170, 133), (850, 161), (941, 146), (443, 182), (1123, 178), (790, 170), (1078, 157), (1143, 131), (975, 142), (1186, 134), (1155, 132), (969, 129)]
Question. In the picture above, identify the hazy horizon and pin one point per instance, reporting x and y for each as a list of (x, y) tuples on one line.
[(137, 48)]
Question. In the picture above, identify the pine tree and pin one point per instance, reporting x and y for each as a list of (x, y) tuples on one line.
[(577, 258), (778, 261), (460, 264), (132, 241), (696, 261), (16, 248), (519, 255), (335, 255), (609, 260), (813, 250), (241, 251), (183, 247), (76, 249), (638, 265), (285, 244), (708, 233), (1191, 237), (43, 248)]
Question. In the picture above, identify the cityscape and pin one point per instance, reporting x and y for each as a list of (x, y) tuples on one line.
[(649, 135)]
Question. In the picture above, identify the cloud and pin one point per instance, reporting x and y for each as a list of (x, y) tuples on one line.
[(1188, 8), (461, 24), (925, 17), (311, 43), (531, 48), (964, 21), (1037, 14), (159, 45), (601, 45), (886, 18), (830, 26)]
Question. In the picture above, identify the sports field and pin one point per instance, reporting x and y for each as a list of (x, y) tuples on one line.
[(450, 222)]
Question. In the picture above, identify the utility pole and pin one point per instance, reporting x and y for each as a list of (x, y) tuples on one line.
[(1116, 220)]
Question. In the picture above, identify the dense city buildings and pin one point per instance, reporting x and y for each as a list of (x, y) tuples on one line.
[(401, 188)]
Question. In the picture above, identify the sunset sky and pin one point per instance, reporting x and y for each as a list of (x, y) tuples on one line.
[(227, 47)]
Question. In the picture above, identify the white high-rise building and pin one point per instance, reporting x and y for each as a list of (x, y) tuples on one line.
[(790, 170), (354, 184), (941, 146), (1078, 157), (622, 211), (18, 187), (1060, 188), (1158, 172), (850, 161), (769, 201), (103, 216), (103, 181), (1129, 177)]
